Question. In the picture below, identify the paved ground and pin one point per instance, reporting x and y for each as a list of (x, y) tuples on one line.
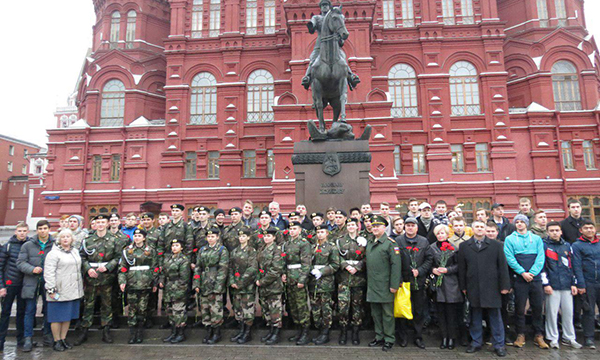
[(153, 348)]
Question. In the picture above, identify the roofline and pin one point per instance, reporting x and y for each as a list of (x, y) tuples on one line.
[(22, 142)]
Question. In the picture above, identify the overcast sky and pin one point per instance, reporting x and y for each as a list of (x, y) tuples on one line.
[(44, 49)]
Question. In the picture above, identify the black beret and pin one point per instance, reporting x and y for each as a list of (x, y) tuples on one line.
[(272, 230), (148, 215), (178, 206), (219, 211), (101, 217), (293, 213), (341, 212), (235, 209), (114, 215), (201, 208), (322, 227), (245, 231), (295, 223), (264, 212), (213, 231), (351, 220), (140, 231), (316, 214)]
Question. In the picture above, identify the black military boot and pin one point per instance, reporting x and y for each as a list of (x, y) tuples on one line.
[(216, 336), (170, 337), (267, 335), (140, 334), (148, 324), (132, 335), (323, 337), (343, 336), (303, 339), (209, 335), (82, 337), (240, 333), (355, 335), (106, 335), (274, 339), (295, 337), (246, 335), (179, 336)]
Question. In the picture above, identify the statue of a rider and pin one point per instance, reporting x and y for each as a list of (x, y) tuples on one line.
[(315, 25)]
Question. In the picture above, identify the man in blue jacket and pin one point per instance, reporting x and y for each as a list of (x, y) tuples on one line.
[(586, 263), (525, 256), (559, 285), (11, 283)]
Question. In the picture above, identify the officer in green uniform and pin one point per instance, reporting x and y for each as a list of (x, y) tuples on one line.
[(270, 285), (352, 281), (297, 255), (152, 235), (264, 224), (100, 254), (210, 281), (138, 276), (340, 223), (229, 236), (243, 270), (383, 280), (325, 263), (176, 229), (174, 279)]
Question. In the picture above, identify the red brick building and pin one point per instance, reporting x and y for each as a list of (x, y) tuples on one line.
[(200, 101), (14, 171)]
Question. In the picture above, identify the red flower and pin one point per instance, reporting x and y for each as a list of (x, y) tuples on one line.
[(260, 236), (196, 250), (416, 249), (196, 276), (123, 269), (8, 282), (283, 254), (408, 248), (237, 274), (261, 271), (41, 252), (310, 236), (286, 232), (319, 250), (156, 270), (160, 254), (101, 254), (358, 252)]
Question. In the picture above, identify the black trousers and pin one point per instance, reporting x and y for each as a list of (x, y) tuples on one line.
[(12, 293), (534, 292), (588, 319), (448, 317), (418, 301)]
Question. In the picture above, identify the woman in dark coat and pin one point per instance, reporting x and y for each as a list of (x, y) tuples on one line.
[(448, 297)]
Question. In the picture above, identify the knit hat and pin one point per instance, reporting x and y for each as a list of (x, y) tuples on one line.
[(523, 218)]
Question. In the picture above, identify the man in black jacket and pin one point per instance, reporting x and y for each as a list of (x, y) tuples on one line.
[(505, 228), (426, 222), (483, 277), (11, 283), (416, 264), (570, 226)]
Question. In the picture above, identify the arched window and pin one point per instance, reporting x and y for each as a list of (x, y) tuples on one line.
[(464, 89), (402, 81), (115, 29), (197, 11), (113, 104), (203, 108), (130, 34), (64, 121), (260, 96), (565, 84)]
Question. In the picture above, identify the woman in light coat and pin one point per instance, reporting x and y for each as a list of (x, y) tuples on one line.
[(64, 286)]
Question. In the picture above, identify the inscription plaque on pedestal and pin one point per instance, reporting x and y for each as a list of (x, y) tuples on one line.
[(332, 173)]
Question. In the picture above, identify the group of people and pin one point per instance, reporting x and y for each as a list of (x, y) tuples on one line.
[(310, 267)]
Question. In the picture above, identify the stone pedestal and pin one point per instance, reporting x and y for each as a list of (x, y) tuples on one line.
[(332, 173)]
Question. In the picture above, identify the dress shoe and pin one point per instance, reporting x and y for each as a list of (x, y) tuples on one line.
[(403, 342), (58, 346), (376, 342), (473, 349), (501, 352), (451, 344), (28, 346), (444, 343), (589, 343), (419, 343), (387, 346)]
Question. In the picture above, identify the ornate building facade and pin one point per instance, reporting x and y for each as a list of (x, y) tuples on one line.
[(200, 101)]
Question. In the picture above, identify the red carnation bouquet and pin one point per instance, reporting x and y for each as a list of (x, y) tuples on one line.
[(412, 252), (447, 251)]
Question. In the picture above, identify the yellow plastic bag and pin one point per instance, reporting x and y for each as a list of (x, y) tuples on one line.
[(402, 307)]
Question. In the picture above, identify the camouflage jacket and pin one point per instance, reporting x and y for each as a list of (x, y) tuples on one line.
[(97, 251), (351, 254), (243, 269), (123, 239), (210, 274), (229, 236), (367, 235), (337, 233), (180, 231), (326, 259), (175, 277), (297, 256), (152, 237), (257, 242), (199, 236), (138, 267), (270, 269)]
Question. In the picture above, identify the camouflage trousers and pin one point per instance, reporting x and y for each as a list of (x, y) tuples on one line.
[(321, 306), (90, 292), (243, 307), (177, 313), (298, 305), (138, 306), (272, 309), (351, 305), (211, 310), (152, 305)]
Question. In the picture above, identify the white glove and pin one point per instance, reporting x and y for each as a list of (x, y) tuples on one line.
[(316, 273), (361, 241)]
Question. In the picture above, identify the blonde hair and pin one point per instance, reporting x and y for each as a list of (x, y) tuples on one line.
[(440, 227), (63, 233)]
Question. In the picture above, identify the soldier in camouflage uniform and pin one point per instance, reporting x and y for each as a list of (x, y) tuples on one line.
[(340, 223), (229, 236), (174, 278), (325, 263), (317, 219), (152, 235), (295, 216), (210, 280), (118, 298), (367, 232), (199, 229), (243, 270), (264, 224), (176, 229), (100, 254), (270, 286), (297, 255), (351, 280), (138, 276)]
